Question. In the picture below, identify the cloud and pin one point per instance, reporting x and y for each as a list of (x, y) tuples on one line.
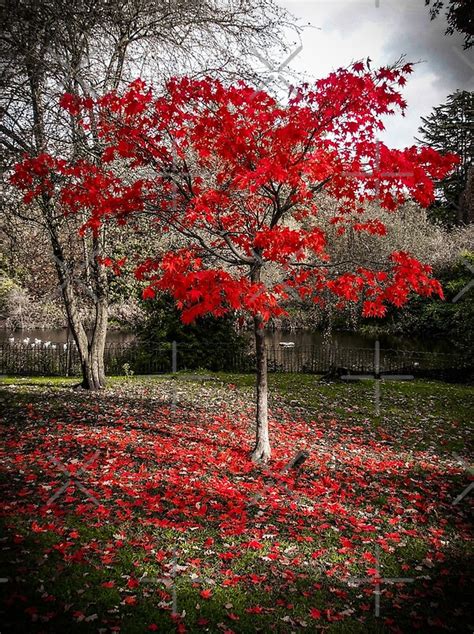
[(384, 30)]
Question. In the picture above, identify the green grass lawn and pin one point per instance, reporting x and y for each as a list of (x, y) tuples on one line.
[(175, 530)]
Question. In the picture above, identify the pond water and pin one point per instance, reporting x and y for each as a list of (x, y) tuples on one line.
[(301, 338), (306, 338)]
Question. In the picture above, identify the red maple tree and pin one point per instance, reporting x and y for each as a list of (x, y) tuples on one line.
[(236, 174)]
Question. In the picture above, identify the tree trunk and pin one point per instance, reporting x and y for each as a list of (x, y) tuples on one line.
[(93, 370), (261, 451), (93, 365), (90, 373), (91, 353), (465, 210)]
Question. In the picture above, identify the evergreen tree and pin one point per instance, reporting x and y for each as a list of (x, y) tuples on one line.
[(449, 128)]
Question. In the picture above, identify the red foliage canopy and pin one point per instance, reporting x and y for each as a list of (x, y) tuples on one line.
[(236, 173)]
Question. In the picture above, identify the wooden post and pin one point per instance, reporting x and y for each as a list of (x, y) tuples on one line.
[(68, 354), (297, 461), (174, 357)]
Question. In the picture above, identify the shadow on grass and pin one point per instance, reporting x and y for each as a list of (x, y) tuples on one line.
[(50, 595), (67, 595)]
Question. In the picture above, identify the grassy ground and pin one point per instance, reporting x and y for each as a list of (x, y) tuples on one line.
[(165, 525)]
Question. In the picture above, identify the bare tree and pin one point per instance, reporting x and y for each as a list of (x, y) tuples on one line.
[(88, 47)]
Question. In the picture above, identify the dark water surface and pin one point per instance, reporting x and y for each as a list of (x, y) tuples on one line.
[(305, 338), (301, 338)]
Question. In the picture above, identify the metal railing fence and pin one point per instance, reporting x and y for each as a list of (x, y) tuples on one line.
[(139, 358)]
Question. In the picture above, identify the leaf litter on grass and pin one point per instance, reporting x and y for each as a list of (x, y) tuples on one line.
[(177, 486)]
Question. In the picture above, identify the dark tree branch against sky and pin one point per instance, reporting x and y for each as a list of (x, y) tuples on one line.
[(459, 15)]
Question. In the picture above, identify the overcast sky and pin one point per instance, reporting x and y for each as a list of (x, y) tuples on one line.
[(347, 30)]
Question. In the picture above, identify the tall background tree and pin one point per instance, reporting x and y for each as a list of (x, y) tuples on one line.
[(236, 175), (89, 47), (450, 128)]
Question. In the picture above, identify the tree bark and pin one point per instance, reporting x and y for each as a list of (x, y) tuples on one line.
[(465, 210), (91, 352), (262, 451), (92, 362), (94, 376)]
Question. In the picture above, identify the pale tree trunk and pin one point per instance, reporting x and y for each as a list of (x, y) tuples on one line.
[(261, 452)]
